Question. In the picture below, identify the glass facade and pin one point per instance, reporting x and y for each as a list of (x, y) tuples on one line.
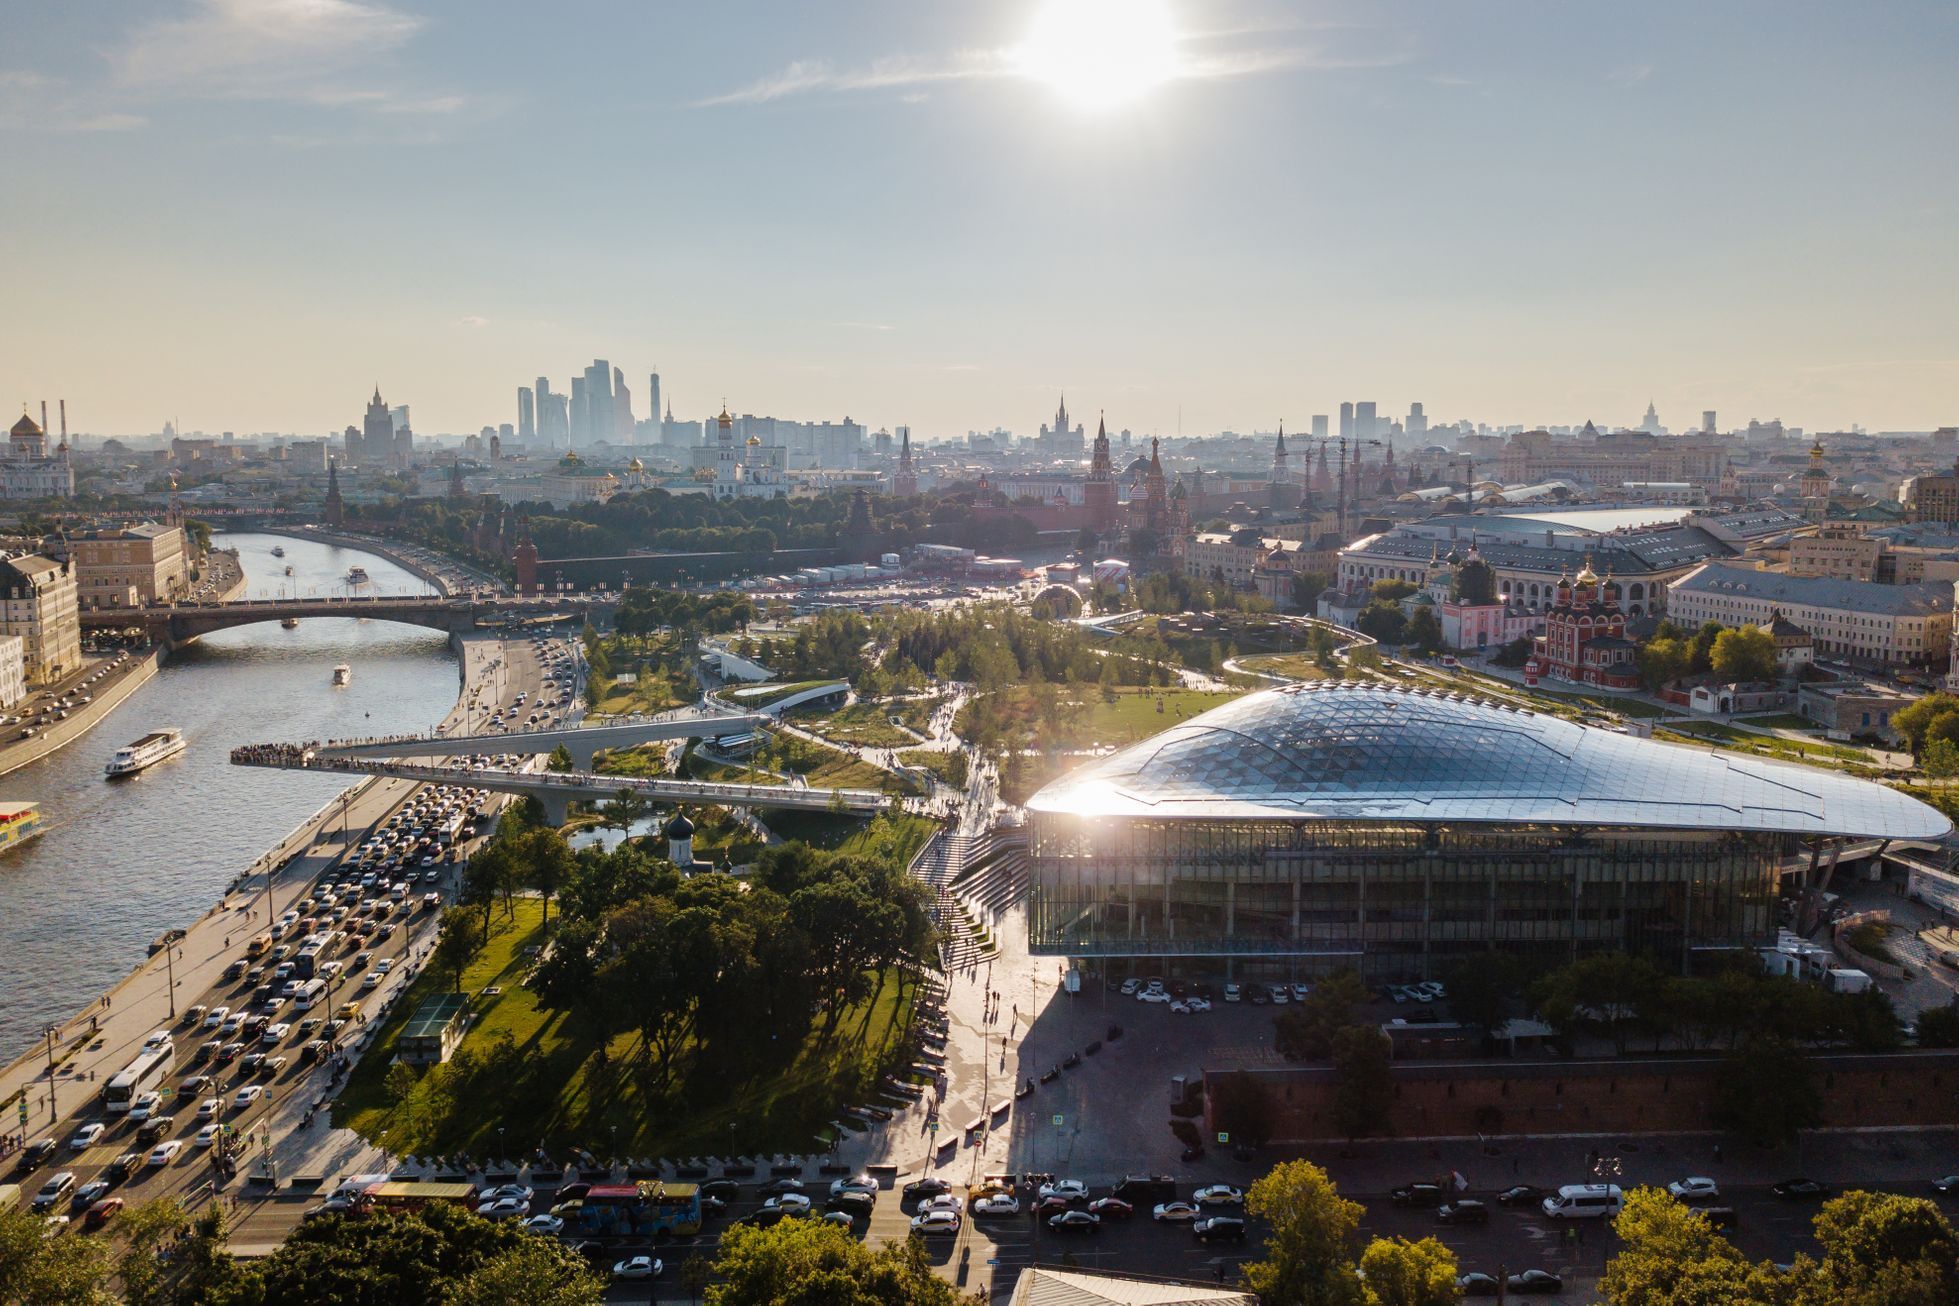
[(1396, 900)]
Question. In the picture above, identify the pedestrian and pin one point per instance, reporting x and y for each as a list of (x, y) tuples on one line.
[(1717, 1153)]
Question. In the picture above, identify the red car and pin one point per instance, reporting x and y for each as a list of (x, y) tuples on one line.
[(1111, 1208), (102, 1212)]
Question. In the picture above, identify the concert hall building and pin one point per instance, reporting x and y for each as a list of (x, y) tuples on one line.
[(1300, 830)]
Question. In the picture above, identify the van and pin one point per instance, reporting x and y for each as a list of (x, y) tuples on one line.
[(1584, 1202), (56, 1188), (309, 993), (258, 945)]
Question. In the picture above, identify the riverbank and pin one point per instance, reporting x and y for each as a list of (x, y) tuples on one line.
[(106, 699), (424, 564)]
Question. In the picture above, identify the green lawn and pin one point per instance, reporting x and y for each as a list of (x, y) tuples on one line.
[(1745, 741), (1293, 666), (898, 835), (916, 712), (866, 724), (949, 766), (1782, 721), (548, 1085), (1609, 703)]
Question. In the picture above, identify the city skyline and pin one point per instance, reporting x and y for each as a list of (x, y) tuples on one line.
[(944, 219)]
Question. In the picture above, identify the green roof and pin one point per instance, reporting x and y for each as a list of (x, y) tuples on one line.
[(433, 1016)]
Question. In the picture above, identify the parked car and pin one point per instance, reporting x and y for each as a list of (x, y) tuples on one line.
[(1535, 1283), (637, 1267), (1219, 1195), (1419, 1195), (1695, 1188), (1219, 1228), (1074, 1222), (1477, 1284), (1800, 1190), (997, 1204), (1176, 1211)]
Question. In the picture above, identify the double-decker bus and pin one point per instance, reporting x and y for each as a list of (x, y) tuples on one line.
[(640, 1208), (148, 1071)]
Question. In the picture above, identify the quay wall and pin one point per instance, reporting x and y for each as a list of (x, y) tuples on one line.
[(23, 752), (366, 544)]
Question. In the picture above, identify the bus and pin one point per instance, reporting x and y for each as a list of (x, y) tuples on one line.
[(147, 1072), (404, 1196), (638, 1208)]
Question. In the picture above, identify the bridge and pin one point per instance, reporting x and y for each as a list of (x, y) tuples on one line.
[(557, 790), (583, 744), (172, 624)]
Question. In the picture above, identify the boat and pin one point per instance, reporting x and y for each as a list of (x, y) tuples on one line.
[(289, 623), (278, 550), (357, 575), (289, 569), (146, 752), (343, 674), (19, 822)]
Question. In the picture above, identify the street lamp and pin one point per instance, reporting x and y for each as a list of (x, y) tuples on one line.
[(49, 1030)]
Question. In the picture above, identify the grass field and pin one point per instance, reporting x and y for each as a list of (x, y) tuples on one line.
[(865, 724), (822, 768), (949, 766), (916, 712), (898, 835), (1781, 721), (523, 1078), (1744, 741), (651, 693), (1293, 666)]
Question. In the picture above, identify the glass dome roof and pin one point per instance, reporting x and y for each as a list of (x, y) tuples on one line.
[(1342, 751)]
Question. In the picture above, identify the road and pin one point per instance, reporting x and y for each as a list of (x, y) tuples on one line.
[(189, 973)]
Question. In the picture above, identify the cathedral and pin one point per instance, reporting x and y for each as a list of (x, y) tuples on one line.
[(748, 472), (30, 471), (1159, 521)]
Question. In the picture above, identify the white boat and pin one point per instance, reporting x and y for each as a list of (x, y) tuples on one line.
[(278, 551), (146, 752), (357, 575), (343, 674), (289, 623)]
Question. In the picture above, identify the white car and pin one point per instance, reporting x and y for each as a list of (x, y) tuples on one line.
[(1233, 993), (504, 1208), (997, 1204), (1176, 1211), (1219, 1195), (145, 1106), (210, 1108), (1198, 1004), (943, 1202), (549, 1225), (639, 1267), (787, 1202), (208, 1135), (1153, 995), (518, 1191), (164, 1153), (1697, 1188), (935, 1222), (1280, 995), (85, 1136), (1067, 1189), (274, 1033), (156, 1039), (857, 1183), (216, 1017), (246, 1096)]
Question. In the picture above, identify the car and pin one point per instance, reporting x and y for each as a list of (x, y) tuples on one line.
[(250, 1065), (724, 1189), (274, 1033), (270, 1067), (57, 1187), (1522, 1195), (519, 1191), (123, 1166), (101, 1212), (370, 981), (851, 1201), (943, 1202), (1300, 992), (787, 1202), (931, 1186), (1219, 1228), (210, 1108), (1946, 1186), (1069, 1190), (1478, 1284), (36, 1154), (1695, 1188), (504, 1208), (1234, 993), (637, 1267), (1800, 1190), (153, 1129), (216, 1017), (997, 1204), (1074, 1222), (1419, 1195), (193, 1015), (203, 1052), (1175, 1211), (86, 1195), (1111, 1208), (246, 1096), (1535, 1283), (164, 1153), (232, 1023), (1130, 985), (1463, 1211), (1195, 1003), (1720, 1217), (930, 1223), (1154, 995), (857, 1183), (207, 1135), (86, 1136), (1219, 1195), (1280, 995), (549, 1225)]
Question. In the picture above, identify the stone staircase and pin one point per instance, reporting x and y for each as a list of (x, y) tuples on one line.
[(938, 865), (995, 873)]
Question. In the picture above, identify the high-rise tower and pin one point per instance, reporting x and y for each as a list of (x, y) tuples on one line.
[(905, 483), (1099, 492), (526, 414)]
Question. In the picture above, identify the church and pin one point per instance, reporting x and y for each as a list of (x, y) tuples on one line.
[(1584, 639), (30, 472), (750, 471)]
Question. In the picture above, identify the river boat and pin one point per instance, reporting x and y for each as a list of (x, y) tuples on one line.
[(19, 822), (289, 623), (343, 674), (146, 752), (289, 569), (357, 575), (278, 551)]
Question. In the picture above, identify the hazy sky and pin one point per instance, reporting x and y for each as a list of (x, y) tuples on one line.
[(245, 213)]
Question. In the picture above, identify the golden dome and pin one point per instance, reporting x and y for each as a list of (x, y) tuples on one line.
[(26, 426), (635, 466), (754, 441), (1586, 576)]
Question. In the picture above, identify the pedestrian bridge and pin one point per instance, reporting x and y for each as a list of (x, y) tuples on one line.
[(557, 790), (583, 744), (179, 623)]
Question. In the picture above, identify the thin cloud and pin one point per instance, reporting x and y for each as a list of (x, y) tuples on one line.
[(472, 320), (867, 326), (35, 102), (890, 73), (1631, 75)]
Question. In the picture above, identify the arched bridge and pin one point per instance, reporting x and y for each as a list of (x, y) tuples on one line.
[(178, 623)]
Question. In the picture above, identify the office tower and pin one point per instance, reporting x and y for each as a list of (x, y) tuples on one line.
[(377, 433), (624, 431), (1417, 423), (526, 413), (505, 430), (1319, 426), (653, 406), (598, 405), (1366, 424), (1707, 421), (399, 415), (579, 413), (1346, 421)]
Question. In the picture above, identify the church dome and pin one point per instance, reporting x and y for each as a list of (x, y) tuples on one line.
[(680, 827), (1586, 576), (26, 426)]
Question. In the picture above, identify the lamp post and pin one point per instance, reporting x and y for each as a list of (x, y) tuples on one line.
[(48, 1031)]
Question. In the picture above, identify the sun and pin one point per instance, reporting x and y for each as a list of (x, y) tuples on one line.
[(1100, 54)]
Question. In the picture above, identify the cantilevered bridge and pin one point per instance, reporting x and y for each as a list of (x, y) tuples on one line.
[(172, 624), (582, 744)]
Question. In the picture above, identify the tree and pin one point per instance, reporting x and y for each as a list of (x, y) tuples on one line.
[(534, 1272), (1883, 1249), (1363, 1080), (805, 1262), (560, 758), (1307, 1028), (1766, 1091), (399, 1082), (1393, 591), (1307, 1254), (462, 938), (1479, 990), (1938, 1027), (1241, 1107), (1424, 630), (1402, 1273), (1745, 654), (35, 1268), (146, 1279), (1703, 645), (1306, 589), (1663, 661), (1915, 722), (546, 858), (1671, 1256)]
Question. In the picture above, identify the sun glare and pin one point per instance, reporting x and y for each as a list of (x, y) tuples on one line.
[(1100, 54)]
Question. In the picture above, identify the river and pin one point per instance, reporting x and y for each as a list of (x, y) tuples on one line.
[(122, 862)]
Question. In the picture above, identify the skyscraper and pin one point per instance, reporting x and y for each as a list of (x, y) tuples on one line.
[(598, 404), (526, 414), (1319, 426), (1707, 421), (621, 431), (653, 405), (1346, 421), (579, 414), (377, 433), (1366, 424), (1417, 423)]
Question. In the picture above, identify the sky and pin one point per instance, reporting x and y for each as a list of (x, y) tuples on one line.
[(245, 214)]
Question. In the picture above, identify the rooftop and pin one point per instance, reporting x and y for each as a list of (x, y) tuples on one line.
[(1921, 599), (1365, 752), (1041, 1286)]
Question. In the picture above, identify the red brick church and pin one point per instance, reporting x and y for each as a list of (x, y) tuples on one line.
[(1584, 639)]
